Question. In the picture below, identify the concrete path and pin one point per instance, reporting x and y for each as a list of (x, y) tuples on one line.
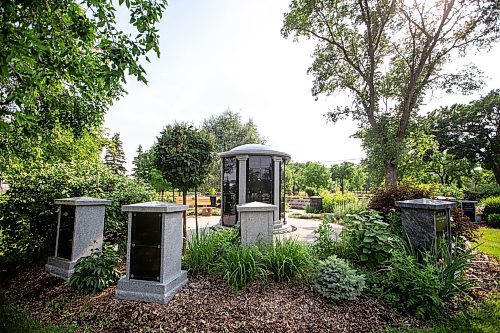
[(304, 232)]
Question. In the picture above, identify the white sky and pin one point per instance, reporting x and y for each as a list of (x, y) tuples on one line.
[(221, 53)]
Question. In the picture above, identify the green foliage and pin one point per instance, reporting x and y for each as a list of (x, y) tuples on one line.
[(341, 210), (315, 176), (471, 131), (239, 265), (327, 243), (488, 190), (341, 172), (489, 241), (483, 317), (491, 206), (311, 210), (333, 201), (97, 271), (423, 287), (204, 250), (286, 259), (369, 238), (337, 280), (384, 200), (493, 220), (115, 156), (14, 319), (28, 215), (184, 155)]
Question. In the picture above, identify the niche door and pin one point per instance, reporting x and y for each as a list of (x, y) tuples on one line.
[(145, 246)]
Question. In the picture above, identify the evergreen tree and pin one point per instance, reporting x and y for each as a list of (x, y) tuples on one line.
[(115, 156)]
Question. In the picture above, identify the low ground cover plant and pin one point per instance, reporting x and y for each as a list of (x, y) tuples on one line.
[(336, 279), (98, 271)]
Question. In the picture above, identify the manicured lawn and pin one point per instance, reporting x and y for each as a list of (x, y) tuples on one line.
[(490, 241)]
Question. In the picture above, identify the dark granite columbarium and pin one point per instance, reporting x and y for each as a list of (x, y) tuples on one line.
[(424, 220)]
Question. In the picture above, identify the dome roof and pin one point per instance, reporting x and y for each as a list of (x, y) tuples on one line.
[(254, 149)]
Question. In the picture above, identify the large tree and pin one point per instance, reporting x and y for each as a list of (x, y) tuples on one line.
[(62, 64), (471, 131), (341, 172), (183, 155), (388, 54)]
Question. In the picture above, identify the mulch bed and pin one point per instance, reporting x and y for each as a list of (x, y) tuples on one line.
[(206, 305)]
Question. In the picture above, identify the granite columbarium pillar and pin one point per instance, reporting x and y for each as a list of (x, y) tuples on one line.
[(424, 220), (80, 229), (154, 249)]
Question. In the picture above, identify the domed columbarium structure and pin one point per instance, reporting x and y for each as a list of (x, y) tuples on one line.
[(253, 173)]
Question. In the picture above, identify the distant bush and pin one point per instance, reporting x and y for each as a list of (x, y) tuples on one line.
[(337, 280), (28, 215), (491, 206), (310, 210), (488, 190), (332, 200), (341, 210), (384, 200), (96, 272), (205, 249), (493, 220)]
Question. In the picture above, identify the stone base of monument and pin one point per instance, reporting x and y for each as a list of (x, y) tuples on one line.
[(60, 267), (150, 291), (281, 228)]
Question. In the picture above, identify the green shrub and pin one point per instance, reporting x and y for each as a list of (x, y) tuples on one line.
[(488, 190), (422, 287), (96, 272), (384, 200), (369, 238), (491, 206), (332, 201), (239, 265), (337, 280), (310, 210), (493, 220), (286, 259), (327, 243), (28, 215), (204, 250)]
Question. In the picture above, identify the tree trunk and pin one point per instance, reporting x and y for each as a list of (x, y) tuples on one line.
[(196, 209), (342, 185), (184, 220), (496, 171), (391, 174)]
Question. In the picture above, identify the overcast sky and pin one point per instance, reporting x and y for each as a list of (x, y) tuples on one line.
[(221, 54)]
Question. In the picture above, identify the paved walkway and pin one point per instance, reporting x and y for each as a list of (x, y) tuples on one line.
[(304, 232)]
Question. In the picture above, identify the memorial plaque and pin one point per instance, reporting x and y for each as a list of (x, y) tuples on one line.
[(66, 229), (145, 251), (469, 210), (441, 221)]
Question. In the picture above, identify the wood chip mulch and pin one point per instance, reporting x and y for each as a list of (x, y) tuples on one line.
[(206, 305)]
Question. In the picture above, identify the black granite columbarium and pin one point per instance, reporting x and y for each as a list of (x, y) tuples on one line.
[(425, 221), (316, 203), (469, 209)]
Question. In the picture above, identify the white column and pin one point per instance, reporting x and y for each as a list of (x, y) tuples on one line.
[(242, 179), (277, 175)]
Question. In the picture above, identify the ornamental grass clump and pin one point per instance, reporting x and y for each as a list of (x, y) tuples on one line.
[(238, 265), (205, 249), (287, 259), (336, 279), (96, 272)]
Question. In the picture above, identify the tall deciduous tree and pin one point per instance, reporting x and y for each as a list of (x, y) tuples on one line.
[(388, 54), (184, 155), (115, 156), (341, 172), (471, 131)]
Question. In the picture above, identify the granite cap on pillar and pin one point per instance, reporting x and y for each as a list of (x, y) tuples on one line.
[(82, 201), (424, 203), (256, 207), (155, 206), (255, 149)]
